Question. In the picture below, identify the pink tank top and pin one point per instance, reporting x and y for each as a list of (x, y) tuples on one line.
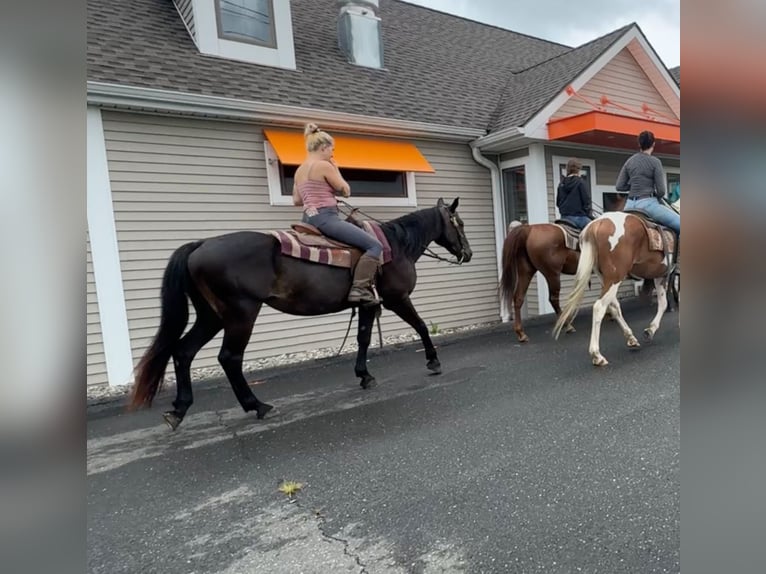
[(316, 194)]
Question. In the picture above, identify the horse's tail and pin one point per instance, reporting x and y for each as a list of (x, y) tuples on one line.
[(514, 247), (588, 252), (173, 320)]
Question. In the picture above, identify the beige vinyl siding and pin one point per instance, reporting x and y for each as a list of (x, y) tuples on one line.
[(607, 167), (95, 361), (186, 11), (176, 180), (515, 154), (624, 81)]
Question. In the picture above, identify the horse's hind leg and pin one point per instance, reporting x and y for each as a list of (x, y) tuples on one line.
[(205, 328), (236, 335), (616, 312), (554, 290), (524, 274), (405, 310), (599, 310), (662, 303), (363, 335)]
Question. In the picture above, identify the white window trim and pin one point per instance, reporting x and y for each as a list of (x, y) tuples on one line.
[(206, 27), (596, 191), (275, 187)]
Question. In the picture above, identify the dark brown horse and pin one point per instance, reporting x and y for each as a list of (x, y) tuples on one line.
[(527, 249), (228, 279), (615, 245)]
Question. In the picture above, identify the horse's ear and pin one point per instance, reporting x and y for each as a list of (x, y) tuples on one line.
[(440, 203), (453, 207)]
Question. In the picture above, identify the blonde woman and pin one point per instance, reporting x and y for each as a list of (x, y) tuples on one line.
[(317, 182)]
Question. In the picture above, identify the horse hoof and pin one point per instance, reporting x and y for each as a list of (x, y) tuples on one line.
[(368, 382), (633, 343), (434, 366), (570, 329), (262, 410), (600, 361), (172, 420), (523, 338), (648, 335)]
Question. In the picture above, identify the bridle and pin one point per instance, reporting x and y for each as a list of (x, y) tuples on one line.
[(427, 251)]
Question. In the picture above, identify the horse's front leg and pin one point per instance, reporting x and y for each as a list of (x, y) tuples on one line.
[(363, 335), (405, 310)]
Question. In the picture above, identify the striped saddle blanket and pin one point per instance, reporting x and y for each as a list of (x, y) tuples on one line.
[(304, 242)]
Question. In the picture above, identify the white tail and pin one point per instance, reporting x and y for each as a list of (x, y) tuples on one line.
[(585, 266)]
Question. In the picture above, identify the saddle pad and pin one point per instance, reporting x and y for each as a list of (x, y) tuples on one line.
[(571, 236), (320, 249), (661, 238), (292, 247)]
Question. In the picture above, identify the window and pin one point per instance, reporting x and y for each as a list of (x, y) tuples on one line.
[(363, 182), (674, 186), (369, 187), (253, 31), (247, 20), (515, 195)]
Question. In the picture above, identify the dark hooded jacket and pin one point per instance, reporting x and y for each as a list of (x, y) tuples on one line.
[(573, 197)]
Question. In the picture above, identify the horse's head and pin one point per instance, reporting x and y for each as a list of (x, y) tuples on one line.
[(453, 237)]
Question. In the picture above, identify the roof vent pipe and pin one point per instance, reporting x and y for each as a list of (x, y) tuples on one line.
[(359, 36)]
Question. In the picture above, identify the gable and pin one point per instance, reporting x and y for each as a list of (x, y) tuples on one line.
[(625, 82)]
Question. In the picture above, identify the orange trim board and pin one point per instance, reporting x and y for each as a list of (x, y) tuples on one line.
[(350, 152), (600, 121)]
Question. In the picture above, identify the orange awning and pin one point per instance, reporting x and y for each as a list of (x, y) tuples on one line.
[(351, 152), (613, 130)]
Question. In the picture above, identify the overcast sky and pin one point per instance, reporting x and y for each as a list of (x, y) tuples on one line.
[(558, 21)]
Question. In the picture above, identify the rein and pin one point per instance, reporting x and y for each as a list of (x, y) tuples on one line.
[(427, 251)]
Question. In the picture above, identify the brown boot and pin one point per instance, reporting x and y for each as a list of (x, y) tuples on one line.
[(361, 287)]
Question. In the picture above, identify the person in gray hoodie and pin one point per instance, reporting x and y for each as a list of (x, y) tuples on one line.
[(573, 197)]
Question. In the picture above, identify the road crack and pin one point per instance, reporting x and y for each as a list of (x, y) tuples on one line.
[(321, 525), (237, 439)]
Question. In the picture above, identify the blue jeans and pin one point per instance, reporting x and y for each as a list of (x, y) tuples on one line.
[(579, 220), (660, 213), (329, 223)]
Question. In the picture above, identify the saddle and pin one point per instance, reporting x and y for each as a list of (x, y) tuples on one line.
[(661, 238), (571, 234), (304, 241)]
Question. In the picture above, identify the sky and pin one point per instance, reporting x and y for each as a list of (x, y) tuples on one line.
[(556, 20)]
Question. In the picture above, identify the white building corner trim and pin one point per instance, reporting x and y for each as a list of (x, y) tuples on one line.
[(537, 207), (106, 257)]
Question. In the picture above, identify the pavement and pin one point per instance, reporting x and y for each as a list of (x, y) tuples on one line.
[(518, 458)]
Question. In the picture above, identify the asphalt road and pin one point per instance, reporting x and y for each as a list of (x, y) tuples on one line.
[(515, 459)]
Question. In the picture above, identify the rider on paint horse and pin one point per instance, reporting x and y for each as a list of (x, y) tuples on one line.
[(643, 178)]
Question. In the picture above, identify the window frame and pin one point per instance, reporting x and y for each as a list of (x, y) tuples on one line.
[(280, 55), (247, 39), (278, 198)]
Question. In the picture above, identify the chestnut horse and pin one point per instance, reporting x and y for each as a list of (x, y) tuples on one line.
[(530, 248), (228, 279), (616, 245)]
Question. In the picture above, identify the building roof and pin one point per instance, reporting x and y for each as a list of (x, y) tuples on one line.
[(529, 91), (676, 73), (439, 68)]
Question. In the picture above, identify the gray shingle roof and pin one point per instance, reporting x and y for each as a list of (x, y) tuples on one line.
[(530, 90), (440, 68), (676, 73)]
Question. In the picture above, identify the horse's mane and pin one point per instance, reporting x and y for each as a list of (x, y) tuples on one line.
[(409, 232)]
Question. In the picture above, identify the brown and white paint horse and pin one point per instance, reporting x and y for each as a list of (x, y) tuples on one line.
[(615, 245)]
